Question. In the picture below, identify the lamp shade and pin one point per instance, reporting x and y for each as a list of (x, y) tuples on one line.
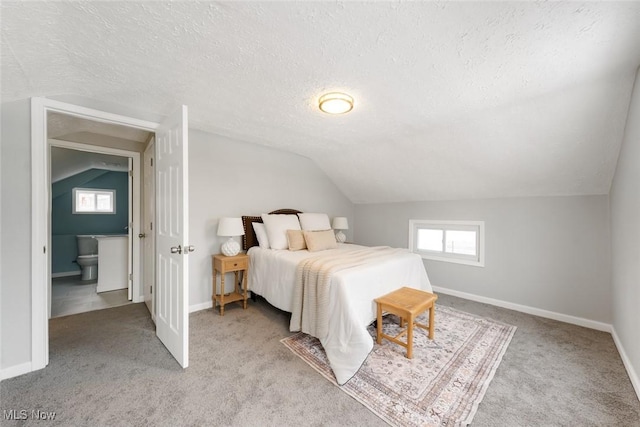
[(230, 227), (340, 223)]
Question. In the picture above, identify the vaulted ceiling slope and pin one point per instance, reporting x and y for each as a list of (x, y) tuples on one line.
[(453, 100)]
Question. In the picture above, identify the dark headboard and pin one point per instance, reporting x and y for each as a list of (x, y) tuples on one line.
[(249, 239)]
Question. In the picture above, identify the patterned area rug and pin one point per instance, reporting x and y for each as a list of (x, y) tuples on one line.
[(441, 386)]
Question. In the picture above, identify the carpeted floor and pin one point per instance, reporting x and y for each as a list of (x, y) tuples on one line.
[(107, 368)]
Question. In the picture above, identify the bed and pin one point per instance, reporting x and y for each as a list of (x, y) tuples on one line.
[(349, 307)]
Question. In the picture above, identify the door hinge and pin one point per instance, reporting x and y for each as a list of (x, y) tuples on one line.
[(151, 289), (130, 173), (44, 249), (130, 276), (151, 161), (151, 225)]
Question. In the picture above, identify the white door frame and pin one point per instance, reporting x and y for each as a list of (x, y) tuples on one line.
[(148, 218), (40, 265), (134, 197)]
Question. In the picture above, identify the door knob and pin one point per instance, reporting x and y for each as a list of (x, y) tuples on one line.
[(189, 248), (142, 235), (176, 250)]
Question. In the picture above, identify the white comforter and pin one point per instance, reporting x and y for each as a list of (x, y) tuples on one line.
[(352, 291)]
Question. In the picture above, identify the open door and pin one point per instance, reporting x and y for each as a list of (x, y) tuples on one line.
[(172, 218)]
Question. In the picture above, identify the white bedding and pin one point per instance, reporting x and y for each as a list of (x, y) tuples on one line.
[(272, 275)]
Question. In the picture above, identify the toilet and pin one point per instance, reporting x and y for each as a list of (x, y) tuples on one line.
[(88, 256)]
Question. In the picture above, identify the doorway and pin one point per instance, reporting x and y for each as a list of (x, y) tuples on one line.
[(92, 210), (172, 321)]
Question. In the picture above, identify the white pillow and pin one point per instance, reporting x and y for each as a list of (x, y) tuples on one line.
[(314, 221), (261, 234), (277, 226)]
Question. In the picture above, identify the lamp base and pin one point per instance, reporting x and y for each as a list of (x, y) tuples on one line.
[(340, 237), (230, 247)]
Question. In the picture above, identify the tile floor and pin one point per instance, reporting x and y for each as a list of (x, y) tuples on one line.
[(70, 295)]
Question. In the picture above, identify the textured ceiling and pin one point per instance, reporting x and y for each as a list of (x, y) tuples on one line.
[(66, 163), (453, 100), (61, 125)]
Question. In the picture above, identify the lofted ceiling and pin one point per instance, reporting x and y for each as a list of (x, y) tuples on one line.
[(453, 100), (66, 163)]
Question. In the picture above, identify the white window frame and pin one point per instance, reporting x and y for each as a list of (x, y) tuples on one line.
[(95, 192), (478, 226)]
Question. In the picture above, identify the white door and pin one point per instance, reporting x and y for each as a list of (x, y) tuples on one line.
[(148, 236), (172, 218)]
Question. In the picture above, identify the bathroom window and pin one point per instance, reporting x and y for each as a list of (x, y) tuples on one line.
[(94, 201)]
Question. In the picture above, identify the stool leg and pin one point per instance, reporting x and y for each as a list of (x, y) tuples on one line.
[(431, 319), (410, 337), (379, 324)]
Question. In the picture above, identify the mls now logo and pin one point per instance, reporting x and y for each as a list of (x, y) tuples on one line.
[(23, 414)]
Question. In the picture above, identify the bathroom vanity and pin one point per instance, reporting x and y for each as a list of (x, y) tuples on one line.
[(112, 262)]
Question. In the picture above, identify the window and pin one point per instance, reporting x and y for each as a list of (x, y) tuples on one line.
[(94, 201), (461, 242)]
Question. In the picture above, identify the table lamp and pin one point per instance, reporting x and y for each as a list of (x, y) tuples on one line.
[(230, 227), (340, 223)]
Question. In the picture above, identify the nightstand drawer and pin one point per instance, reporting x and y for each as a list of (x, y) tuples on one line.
[(235, 264)]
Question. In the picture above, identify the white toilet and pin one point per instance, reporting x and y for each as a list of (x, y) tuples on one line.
[(88, 256)]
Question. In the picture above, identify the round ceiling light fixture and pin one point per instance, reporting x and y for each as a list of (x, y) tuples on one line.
[(336, 103)]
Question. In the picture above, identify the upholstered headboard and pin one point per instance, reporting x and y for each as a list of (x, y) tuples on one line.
[(249, 239)]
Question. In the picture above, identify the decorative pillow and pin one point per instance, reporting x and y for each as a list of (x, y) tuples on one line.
[(277, 226), (314, 221), (296, 240), (261, 235), (320, 240)]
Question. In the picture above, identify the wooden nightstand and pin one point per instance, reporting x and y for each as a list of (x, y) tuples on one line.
[(230, 264)]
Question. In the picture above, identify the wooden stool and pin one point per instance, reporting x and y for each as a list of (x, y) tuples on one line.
[(408, 304)]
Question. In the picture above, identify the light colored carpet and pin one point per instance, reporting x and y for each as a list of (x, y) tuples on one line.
[(442, 384), (107, 368)]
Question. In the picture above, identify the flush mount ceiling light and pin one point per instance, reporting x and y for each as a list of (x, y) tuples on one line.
[(336, 103)]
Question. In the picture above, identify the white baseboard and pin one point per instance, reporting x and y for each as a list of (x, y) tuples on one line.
[(587, 323), (66, 274), (201, 306), (14, 371), (633, 376)]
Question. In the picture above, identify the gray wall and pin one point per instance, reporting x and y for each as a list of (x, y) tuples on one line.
[(15, 228), (549, 253), (233, 178), (625, 238)]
